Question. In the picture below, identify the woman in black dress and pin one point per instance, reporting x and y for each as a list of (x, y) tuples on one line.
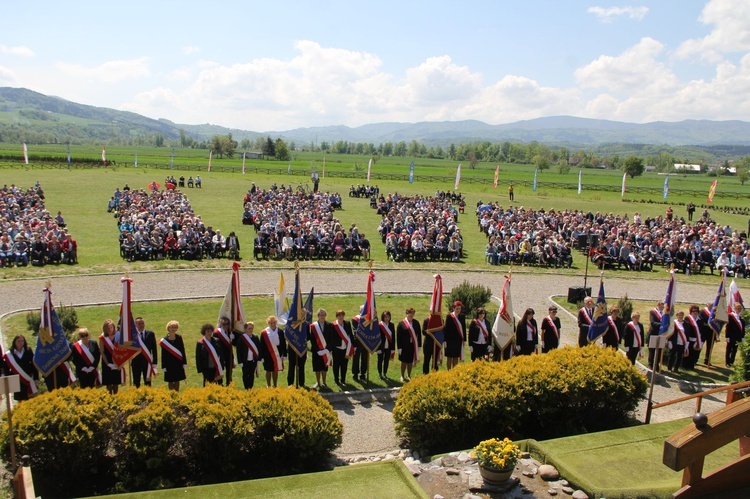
[(408, 342), (173, 356), (112, 376), (20, 360), (527, 333), (387, 341)]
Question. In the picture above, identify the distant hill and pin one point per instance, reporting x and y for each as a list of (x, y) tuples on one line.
[(34, 117)]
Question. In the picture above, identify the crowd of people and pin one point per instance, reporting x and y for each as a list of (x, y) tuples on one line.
[(546, 237), (159, 224), (299, 225), (420, 228), (29, 234)]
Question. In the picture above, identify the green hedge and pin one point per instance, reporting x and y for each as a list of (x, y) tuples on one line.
[(87, 442), (565, 392)]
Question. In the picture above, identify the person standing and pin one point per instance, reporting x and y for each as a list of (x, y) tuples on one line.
[(248, 355), (408, 342), (585, 318), (86, 357), (633, 337), (361, 355), (272, 350), (430, 355), (208, 359), (678, 344), (527, 333), (173, 356), (708, 335), (112, 376), (144, 365), (735, 331), (455, 335), (321, 333), (654, 318), (20, 360), (226, 342), (690, 211), (613, 334), (387, 341), (295, 375), (510, 192), (551, 330), (479, 335), (695, 341), (343, 347)]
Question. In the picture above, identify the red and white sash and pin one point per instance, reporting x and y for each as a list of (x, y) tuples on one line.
[(736, 318), (483, 328), (278, 362), (171, 349), (586, 315), (636, 334), (214, 355), (698, 339), (614, 328), (12, 362), (680, 328), (458, 325), (224, 337), (413, 336), (320, 341), (387, 333), (110, 347), (657, 313), (707, 312), (252, 349), (69, 372), (146, 354), (553, 326), (88, 358), (345, 338)]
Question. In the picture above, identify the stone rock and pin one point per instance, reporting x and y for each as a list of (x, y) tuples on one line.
[(564, 483), (449, 461), (525, 455), (452, 471), (579, 494), (414, 469), (471, 496), (463, 457), (394, 453), (402, 454), (415, 455), (390, 457), (552, 492), (438, 496), (528, 473), (547, 472), (568, 490), (376, 459)]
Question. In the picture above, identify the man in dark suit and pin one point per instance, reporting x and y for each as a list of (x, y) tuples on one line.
[(707, 332), (260, 246), (455, 336), (144, 365), (227, 340), (735, 331), (654, 318), (585, 317)]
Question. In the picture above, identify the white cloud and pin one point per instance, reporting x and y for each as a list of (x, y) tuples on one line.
[(108, 72), (730, 33), (190, 49), (18, 50), (608, 14), (8, 77)]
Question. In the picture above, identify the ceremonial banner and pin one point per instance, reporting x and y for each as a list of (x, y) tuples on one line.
[(136, 159), (497, 176), (624, 178), (411, 173), (368, 328), (231, 307), (171, 161), (127, 343), (104, 156), (210, 157), (712, 191), (734, 297), (580, 172), (667, 317), (719, 315), (297, 326), (309, 305), (25, 154), (599, 324), (369, 169), (503, 330), (533, 188), (69, 157), (458, 177), (52, 347), (435, 321), (281, 304), (244, 155), (666, 187)]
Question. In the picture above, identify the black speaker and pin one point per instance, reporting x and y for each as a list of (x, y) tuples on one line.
[(594, 241), (582, 241), (577, 294)]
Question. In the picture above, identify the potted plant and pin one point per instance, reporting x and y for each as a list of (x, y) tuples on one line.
[(497, 459)]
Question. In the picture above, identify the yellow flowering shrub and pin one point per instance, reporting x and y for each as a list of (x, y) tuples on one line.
[(497, 454)]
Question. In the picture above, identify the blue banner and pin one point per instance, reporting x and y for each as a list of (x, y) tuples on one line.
[(368, 329), (535, 172), (411, 173), (52, 347), (667, 317), (296, 326), (599, 323)]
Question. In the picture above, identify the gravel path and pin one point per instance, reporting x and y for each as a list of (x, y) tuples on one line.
[(367, 419)]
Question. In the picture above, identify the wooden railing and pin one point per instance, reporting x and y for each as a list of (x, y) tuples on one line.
[(23, 484), (730, 389)]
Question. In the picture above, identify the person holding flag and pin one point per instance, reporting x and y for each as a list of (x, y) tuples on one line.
[(433, 329), (321, 334), (719, 312), (272, 350), (633, 337), (231, 322), (693, 334), (551, 327), (735, 332), (408, 341), (226, 342), (455, 336), (387, 342), (20, 360), (342, 346), (52, 347), (144, 365), (112, 376), (613, 334), (708, 335), (585, 319), (248, 355), (208, 359), (479, 335), (86, 356), (599, 323), (503, 330), (296, 333), (654, 318), (173, 356), (678, 344)]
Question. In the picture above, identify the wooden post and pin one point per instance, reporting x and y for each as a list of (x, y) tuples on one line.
[(10, 426)]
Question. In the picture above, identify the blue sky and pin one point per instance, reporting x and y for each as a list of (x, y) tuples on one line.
[(279, 65)]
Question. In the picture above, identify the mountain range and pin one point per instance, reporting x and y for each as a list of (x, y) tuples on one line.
[(55, 119)]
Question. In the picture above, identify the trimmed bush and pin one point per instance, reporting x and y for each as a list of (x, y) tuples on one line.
[(87, 442), (564, 392), (470, 295)]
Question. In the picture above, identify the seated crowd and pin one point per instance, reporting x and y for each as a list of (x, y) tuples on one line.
[(161, 224), (612, 240), (298, 225), (419, 228), (29, 234)]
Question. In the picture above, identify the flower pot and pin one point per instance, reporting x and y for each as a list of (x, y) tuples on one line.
[(495, 477)]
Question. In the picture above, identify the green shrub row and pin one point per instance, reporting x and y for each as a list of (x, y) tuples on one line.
[(565, 392), (87, 442)]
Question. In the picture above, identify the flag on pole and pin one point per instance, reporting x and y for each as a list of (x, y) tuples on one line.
[(52, 347), (210, 157), (127, 343), (667, 317), (231, 307), (624, 178), (244, 155), (68, 155), (719, 315), (369, 169), (599, 324), (309, 305), (458, 177), (666, 187), (503, 330), (281, 304), (733, 297), (712, 191), (25, 154), (297, 327), (435, 321), (497, 176), (580, 172), (534, 186), (104, 155), (368, 327), (289, 167), (136, 158), (171, 161), (324, 167), (411, 173)]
